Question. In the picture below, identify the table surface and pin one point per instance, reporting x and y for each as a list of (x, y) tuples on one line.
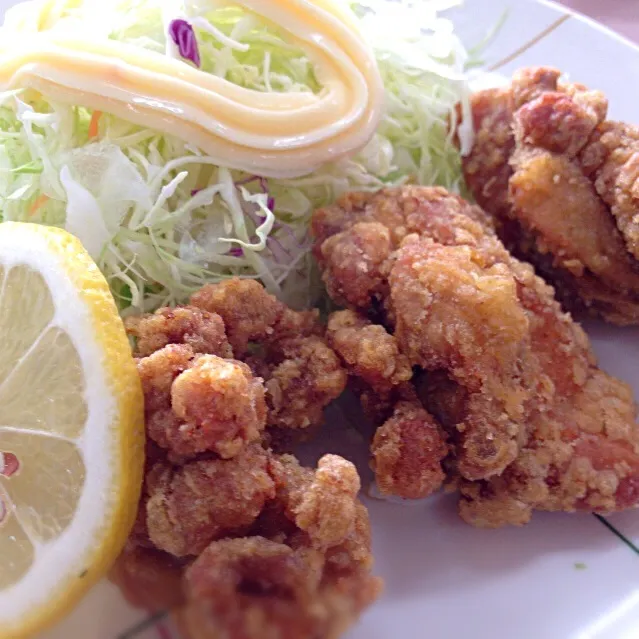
[(620, 15)]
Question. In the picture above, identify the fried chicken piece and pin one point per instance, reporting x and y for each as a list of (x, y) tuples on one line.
[(302, 376), (251, 314), (217, 502), (408, 450), (149, 578), (357, 257), (368, 350), (582, 452), (213, 403), (222, 405), (256, 588), (289, 550), (457, 310), (408, 447), (204, 332), (561, 182), (157, 372), (191, 505), (198, 404), (486, 169), (533, 423), (611, 158), (438, 321), (377, 224), (322, 504), (250, 588)]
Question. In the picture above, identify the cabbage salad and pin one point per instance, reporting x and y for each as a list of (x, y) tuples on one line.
[(160, 217)]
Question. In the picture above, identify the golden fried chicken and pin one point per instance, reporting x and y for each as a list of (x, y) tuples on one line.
[(204, 332), (532, 422), (369, 351), (580, 449), (267, 550), (250, 314), (408, 446), (198, 403), (563, 185), (241, 542), (355, 237), (304, 571), (302, 376), (199, 398), (440, 322), (189, 506), (407, 451), (611, 159)]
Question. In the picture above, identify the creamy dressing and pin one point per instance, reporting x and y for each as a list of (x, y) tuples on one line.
[(271, 134)]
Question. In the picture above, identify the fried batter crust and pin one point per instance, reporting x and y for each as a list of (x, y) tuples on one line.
[(563, 185), (532, 422)]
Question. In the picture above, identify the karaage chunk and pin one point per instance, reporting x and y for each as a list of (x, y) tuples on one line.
[(196, 404), (274, 549), (408, 451), (251, 314), (222, 405), (582, 451), (561, 182), (611, 158), (440, 323), (369, 351), (207, 499), (199, 399), (294, 585), (303, 376), (377, 224), (457, 310), (530, 422), (240, 541), (204, 332), (326, 509)]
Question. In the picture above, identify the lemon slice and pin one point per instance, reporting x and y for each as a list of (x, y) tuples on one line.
[(71, 427)]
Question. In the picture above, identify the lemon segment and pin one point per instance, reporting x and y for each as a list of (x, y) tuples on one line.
[(71, 427)]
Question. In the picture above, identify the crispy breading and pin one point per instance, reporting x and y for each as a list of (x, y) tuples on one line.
[(287, 588), (191, 505), (532, 422), (377, 224), (408, 450), (217, 503), (304, 376), (563, 185), (369, 351), (222, 406), (611, 158), (267, 541), (326, 510), (457, 309), (204, 332), (196, 404), (251, 314)]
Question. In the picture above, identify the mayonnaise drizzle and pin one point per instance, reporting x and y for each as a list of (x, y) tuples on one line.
[(270, 134)]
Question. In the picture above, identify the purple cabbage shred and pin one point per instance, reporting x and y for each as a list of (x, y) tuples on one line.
[(183, 35), (280, 254), (236, 251)]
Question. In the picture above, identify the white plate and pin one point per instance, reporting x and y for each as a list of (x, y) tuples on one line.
[(562, 576)]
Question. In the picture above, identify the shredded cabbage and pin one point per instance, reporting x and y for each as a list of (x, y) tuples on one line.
[(159, 216)]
